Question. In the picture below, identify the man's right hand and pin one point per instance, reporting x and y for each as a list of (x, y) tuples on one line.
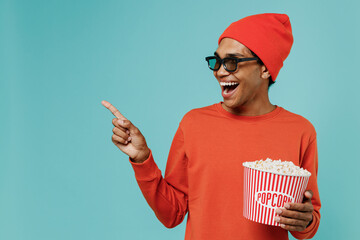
[(127, 137)]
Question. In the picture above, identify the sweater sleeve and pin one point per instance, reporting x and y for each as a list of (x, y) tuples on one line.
[(310, 162), (168, 196)]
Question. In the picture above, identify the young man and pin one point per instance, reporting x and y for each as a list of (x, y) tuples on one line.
[(204, 173)]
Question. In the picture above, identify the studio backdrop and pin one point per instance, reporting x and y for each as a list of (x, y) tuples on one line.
[(61, 177)]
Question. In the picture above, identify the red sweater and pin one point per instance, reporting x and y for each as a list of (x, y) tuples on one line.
[(204, 172)]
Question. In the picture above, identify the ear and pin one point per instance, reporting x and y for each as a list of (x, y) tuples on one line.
[(265, 74)]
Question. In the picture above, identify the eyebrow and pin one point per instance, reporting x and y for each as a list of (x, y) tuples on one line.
[(230, 54)]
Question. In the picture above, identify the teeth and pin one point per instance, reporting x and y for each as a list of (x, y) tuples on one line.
[(228, 83)]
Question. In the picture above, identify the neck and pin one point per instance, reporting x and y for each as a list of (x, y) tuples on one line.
[(254, 111), (255, 108)]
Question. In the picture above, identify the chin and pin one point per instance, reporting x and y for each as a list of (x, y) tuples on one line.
[(236, 103), (231, 103)]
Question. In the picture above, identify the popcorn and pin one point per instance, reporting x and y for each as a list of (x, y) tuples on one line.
[(277, 167), (269, 185)]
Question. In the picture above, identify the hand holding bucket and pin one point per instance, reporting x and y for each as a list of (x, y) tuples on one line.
[(264, 192)]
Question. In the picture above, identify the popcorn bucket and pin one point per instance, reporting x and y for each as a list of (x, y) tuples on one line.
[(266, 191)]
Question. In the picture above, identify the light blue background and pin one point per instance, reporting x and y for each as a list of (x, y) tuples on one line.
[(61, 177)]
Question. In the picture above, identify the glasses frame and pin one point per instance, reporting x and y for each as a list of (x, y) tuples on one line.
[(222, 61)]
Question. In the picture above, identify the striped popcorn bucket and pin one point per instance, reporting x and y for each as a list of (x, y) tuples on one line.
[(265, 191)]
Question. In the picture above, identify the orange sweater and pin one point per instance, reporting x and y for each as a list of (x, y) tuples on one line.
[(204, 172)]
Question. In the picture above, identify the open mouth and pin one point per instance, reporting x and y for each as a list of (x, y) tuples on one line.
[(228, 88)]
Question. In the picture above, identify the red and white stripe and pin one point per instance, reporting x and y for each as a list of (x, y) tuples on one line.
[(270, 185)]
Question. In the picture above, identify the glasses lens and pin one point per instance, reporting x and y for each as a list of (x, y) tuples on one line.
[(214, 63), (230, 64)]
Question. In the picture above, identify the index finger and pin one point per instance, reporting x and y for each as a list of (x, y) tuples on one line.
[(301, 207), (113, 110)]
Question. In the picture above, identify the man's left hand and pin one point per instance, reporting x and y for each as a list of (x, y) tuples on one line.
[(296, 216)]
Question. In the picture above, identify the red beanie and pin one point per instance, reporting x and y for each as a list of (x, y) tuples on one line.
[(268, 35)]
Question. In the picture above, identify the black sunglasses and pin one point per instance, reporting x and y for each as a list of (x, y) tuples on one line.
[(229, 63)]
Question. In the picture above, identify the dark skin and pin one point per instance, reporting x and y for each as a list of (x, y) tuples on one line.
[(252, 99), (296, 216)]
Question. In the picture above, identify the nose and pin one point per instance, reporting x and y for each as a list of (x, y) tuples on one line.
[(222, 71)]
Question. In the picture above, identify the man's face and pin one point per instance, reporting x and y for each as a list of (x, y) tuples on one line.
[(252, 88)]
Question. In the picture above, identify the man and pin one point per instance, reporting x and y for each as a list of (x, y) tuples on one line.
[(204, 173)]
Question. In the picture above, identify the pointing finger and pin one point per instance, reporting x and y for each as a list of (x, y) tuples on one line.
[(113, 110)]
